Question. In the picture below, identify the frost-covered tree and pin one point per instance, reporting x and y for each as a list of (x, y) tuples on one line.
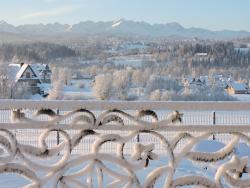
[(57, 82), (56, 93), (158, 82), (66, 75), (155, 95), (137, 78), (10, 89), (203, 94), (55, 74), (121, 81), (167, 95), (20, 90), (146, 75), (5, 84), (63, 74), (103, 86)]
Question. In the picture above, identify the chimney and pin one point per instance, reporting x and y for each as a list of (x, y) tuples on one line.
[(21, 64)]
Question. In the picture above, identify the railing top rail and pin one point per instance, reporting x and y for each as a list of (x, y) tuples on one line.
[(169, 128), (128, 105)]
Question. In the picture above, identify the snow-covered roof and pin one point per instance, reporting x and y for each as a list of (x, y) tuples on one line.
[(238, 86), (16, 71), (21, 71), (196, 81), (201, 54), (204, 79), (117, 23), (38, 67)]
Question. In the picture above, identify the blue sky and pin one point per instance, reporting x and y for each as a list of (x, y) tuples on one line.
[(210, 14)]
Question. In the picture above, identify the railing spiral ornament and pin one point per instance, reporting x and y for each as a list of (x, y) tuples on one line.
[(46, 165)]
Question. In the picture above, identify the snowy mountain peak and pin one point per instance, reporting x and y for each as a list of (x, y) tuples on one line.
[(2, 22), (69, 28), (117, 23), (175, 25), (121, 27)]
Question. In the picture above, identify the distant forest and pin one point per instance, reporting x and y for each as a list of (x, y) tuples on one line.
[(198, 54), (38, 52)]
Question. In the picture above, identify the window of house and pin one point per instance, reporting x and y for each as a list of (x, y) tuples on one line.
[(27, 74)]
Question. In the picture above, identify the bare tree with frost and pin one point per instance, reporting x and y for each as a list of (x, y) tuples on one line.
[(66, 75), (155, 95), (56, 93), (57, 82), (9, 89), (158, 82), (137, 78), (103, 86), (4, 84), (121, 81)]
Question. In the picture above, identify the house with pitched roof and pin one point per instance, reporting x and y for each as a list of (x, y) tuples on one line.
[(236, 88), (43, 71), (24, 73)]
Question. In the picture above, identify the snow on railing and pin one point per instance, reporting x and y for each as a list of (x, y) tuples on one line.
[(125, 144)]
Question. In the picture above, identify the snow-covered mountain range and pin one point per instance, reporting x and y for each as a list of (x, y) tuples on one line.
[(121, 28)]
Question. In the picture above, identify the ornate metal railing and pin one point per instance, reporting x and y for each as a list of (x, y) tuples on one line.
[(124, 144)]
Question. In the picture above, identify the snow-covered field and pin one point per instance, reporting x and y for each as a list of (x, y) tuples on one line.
[(74, 92), (135, 61), (242, 97)]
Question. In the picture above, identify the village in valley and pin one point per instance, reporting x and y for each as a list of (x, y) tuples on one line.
[(36, 78), (125, 94), (109, 64)]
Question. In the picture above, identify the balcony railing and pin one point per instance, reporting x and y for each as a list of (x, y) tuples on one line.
[(124, 144)]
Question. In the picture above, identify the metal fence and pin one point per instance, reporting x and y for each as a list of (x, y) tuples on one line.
[(84, 143), (200, 114)]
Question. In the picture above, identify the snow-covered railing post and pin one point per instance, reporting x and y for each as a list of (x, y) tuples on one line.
[(214, 122), (57, 133), (94, 144)]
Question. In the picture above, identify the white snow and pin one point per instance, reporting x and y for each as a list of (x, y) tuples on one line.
[(2, 22), (74, 92), (117, 23), (17, 70), (242, 97), (69, 28), (238, 86), (209, 146)]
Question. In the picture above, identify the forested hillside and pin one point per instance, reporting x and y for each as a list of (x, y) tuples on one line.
[(37, 51)]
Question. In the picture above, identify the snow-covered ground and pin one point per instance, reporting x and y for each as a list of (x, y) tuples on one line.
[(242, 97), (72, 91), (133, 61), (75, 92), (129, 62)]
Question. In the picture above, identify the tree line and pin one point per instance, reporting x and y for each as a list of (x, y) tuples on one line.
[(34, 52)]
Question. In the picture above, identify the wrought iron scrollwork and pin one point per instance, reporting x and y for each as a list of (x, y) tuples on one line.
[(100, 169)]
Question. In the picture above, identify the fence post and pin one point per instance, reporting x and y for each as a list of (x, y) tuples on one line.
[(214, 122), (137, 136), (57, 133)]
